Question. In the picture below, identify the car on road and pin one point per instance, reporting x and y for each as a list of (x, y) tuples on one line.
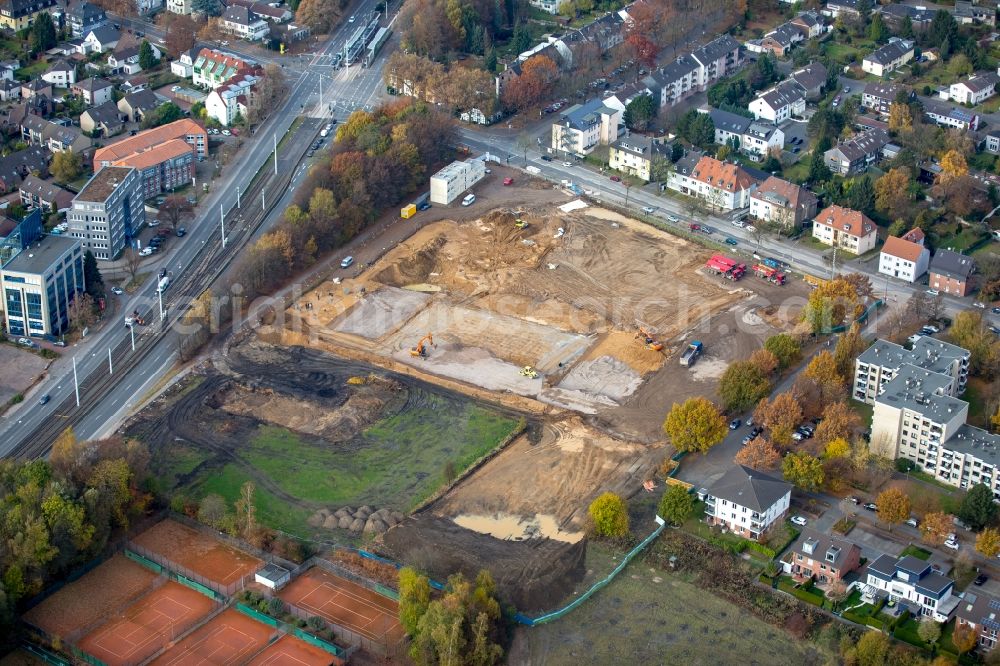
[(853, 500), (674, 218), (951, 543), (44, 400), (734, 424), (995, 310), (181, 231), (978, 304), (146, 251), (26, 342), (799, 520), (980, 579), (913, 522), (705, 229), (352, 19), (738, 223), (175, 88), (616, 179), (932, 292), (117, 291), (346, 262), (871, 506), (931, 328), (567, 164), (847, 91), (310, 153), (153, 223), (729, 240), (546, 158), (648, 210)]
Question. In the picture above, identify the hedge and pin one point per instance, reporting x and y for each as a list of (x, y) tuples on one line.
[(801, 593), (769, 553)]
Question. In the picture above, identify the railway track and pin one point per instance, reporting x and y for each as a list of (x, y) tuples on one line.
[(208, 264)]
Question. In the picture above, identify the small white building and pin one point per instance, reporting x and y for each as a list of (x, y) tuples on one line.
[(229, 101), (888, 58), (585, 126), (747, 502), (780, 103), (974, 90), (61, 74), (452, 181), (272, 576), (905, 258)]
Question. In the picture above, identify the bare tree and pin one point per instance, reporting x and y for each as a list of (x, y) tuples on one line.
[(176, 209), (268, 93), (81, 312), (525, 143), (132, 261)]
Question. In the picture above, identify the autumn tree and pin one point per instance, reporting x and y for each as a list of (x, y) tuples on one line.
[(953, 166), (839, 422), (872, 649), (785, 348), (212, 510), (246, 513), (837, 448), (743, 385), (988, 542), (804, 471), (850, 345), (935, 527), (900, 117), (538, 75), (830, 304), (780, 416), (414, 597), (893, 506), (758, 454), (82, 312), (181, 34), (676, 505), (822, 372), (970, 331), (695, 425), (175, 209), (464, 626), (66, 166), (318, 15), (929, 630), (609, 516), (268, 94), (765, 362), (964, 638)]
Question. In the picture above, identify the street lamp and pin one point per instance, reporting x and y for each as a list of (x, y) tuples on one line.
[(628, 186)]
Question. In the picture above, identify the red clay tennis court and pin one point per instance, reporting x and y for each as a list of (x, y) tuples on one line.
[(205, 556), (343, 602), (147, 625), (228, 638), (290, 651)]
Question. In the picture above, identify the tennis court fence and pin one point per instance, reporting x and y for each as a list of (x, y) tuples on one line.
[(383, 647), (213, 588)]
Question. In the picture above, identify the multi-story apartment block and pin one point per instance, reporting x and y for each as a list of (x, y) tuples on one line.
[(747, 502), (583, 127), (855, 155), (186, 129), (783, 203), (878, 96), (823, 558), (19, 14), (39, 283), (212, 69), (693, 73), (108, 211), (244, 23), (846, 229), (779, 103), (755, 139), (722, 185), (884, 361), (84, 17), (888, 58), (981, 612), (950, 272), (230, 101), (637, 155), (913, 583)]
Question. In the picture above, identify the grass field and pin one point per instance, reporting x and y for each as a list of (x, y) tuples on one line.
[(646, 614)]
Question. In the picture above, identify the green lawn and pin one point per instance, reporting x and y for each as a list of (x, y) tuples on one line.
[(32, 71), (845, 53), (864, 410), (797, 173), (977, 406), (647, 615), (271, 510), (916, 551)]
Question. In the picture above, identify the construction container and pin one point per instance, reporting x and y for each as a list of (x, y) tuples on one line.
[(408, 211)]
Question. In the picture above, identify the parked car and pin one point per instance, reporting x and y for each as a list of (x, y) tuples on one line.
[(146, 251), (913, 522), (648, 210), (674, 218), (932, 292), (799, 520), (546, 158), (117, 291), (871, 506), (734, 424), (26, 342), (567, 164), (181, 231), (951, 543), (980, 579), (795, 150), (995, 310), (616, 179), (730, 240), (932, 328), (346, 262), (748, 422), (853, 500)]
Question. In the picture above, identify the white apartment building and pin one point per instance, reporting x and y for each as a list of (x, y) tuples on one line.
[(228, 102), (450, 182), (974, 90), (888, 58), (845, 229), (883, 361), (913, 583), (585, 126), (779, 103), (747, 502), (722, 185), (693, 73), (108, 211), (905, 258), (754, 139)]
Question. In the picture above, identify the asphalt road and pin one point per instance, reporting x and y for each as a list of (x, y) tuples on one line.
[(346, 90)]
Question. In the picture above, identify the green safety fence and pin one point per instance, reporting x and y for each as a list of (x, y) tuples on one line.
[(555, 615), (45, 655), (149, 564), (387, 592), (257, 615), (88, 658), (196, 586), (318, 642)]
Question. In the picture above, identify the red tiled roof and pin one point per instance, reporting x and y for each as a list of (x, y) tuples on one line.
[(849, 221)]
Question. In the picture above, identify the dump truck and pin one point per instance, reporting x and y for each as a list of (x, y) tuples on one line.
[(691, 354), (726, 267), (772, 275)]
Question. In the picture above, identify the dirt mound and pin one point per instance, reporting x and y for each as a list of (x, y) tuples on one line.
[(529, 574), (414, 267)]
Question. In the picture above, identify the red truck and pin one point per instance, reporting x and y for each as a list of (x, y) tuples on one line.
[(726, 267)]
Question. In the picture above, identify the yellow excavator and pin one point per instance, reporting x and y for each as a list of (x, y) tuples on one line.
[(520, 224), (421, 348), (529, 372), (650, 342)]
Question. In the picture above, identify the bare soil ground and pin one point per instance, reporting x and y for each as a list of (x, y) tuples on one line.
[(107, 588), (19, 370)]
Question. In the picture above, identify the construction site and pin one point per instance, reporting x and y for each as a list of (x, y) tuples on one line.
[(542, 347)]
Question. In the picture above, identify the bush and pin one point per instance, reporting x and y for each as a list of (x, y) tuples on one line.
[(275, 606), (316, 623), (609, 515), (762, 549), (16, 398)]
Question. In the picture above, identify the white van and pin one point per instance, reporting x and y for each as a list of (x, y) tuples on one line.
[(469, 200), (324, 132)]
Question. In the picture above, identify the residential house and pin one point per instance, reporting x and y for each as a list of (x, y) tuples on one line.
[(7, 69), (163, 167), (38, 193), (722, 185), (946, 115), (99, 40), (754, 139), (184, 65), (981, 612), (36, 88), (781, 40), (968, 13), (810, 23), (228, 102), (950, 272), (191, 132), (94, 91), (782, 202), (975, 90), (134, 83), (547, 6), (14, 168), (896, 13), (991, 142), (779, 103), (878, 96), (888, 58), (837, 8), (747, 502), (582, 127), (19, 14), (913, 583), (61, 74), (905, 258), (845, 229), (40, 284), (811, 79), (243, 23), (83, 17), (103, 120), (212, 69), (855, 155), (265, 11), (125, 57), (883, 361), (57, 138), (179, 6), (638, 155), (822, 558), (290, 33), (136, 105), (108, 211), (9, 90)]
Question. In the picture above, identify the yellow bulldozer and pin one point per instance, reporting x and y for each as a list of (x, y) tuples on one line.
[(529, 372), (520, 224)]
